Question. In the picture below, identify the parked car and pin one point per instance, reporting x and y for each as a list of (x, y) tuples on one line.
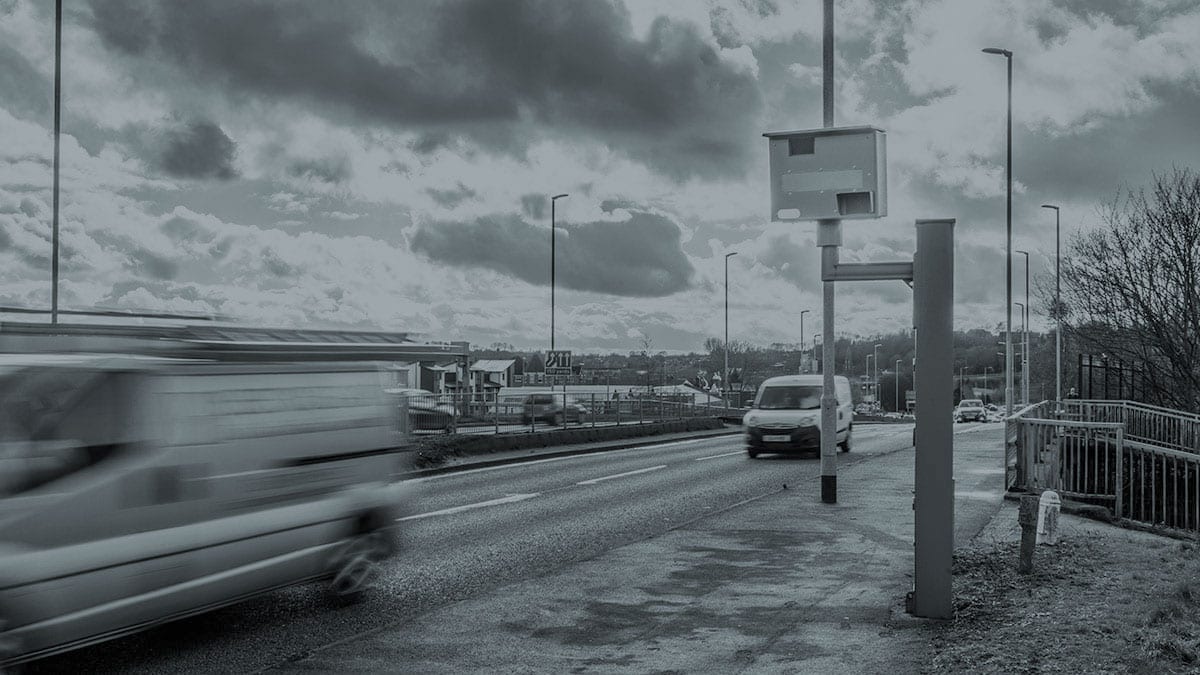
[(553, 408), (425, 411), (970, 409)]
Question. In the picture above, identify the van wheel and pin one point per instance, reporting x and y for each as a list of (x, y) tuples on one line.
[(358, 564), (845, 445), (752, 453), (559, 420)]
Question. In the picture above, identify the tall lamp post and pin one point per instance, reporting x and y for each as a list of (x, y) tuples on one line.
[(1057, 305), (896, 393), (553, 199), (878, 398), (725, 383), (867, 366), (1026, 329), (1008, 302), (802, 313), (1024, 356)]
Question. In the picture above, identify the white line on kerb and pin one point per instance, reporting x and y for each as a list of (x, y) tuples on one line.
[(724, 454), (478, 505), (621, 475)]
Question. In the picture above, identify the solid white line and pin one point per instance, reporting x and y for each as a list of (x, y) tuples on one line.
[(726, 454), (621, 475), (517, 465), (478, 505)]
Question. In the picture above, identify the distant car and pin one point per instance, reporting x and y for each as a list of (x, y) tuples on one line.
[(553, 408), (425, 411), (970, 409)]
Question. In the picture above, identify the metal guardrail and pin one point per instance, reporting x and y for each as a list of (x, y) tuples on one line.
[(493, 413), (1142, 461)]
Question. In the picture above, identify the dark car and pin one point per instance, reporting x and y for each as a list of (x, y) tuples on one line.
[(553, 408)]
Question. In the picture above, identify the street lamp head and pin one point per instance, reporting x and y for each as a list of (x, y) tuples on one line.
[(1049, 206), (997, 50), (1025, 253), (730, 255), (559, 196)]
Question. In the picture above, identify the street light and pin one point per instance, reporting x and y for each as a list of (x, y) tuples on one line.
[(553, 199), (867, 367), (725, 383), (1008, 302), (802, 313), (896, 393), (1057, 305), (877, 396), (1024, 356), (1025, 332)]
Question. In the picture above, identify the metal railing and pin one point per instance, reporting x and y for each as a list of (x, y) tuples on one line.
[(1141, 461), (498, 413)]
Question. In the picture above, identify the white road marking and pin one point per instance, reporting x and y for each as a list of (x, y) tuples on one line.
[(517, 465), (478, 505), (724, 454), (621, 475)]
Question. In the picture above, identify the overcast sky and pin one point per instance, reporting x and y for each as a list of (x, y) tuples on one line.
[(389, 164)]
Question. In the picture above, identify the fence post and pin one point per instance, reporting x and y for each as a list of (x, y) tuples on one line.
[(496, 409), (1120, 473), (593, 410), (641, 412)]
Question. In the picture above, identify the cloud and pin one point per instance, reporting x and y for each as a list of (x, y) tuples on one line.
[(637, 257), (325, 169), (671, 100), (451, 198), (197, 150), (534, 206)]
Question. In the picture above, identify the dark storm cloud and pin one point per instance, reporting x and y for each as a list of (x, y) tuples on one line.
[(451, 198), (484, 67), (197, 150), (326, 169), (640, 257), (534, 206), (186, 230)]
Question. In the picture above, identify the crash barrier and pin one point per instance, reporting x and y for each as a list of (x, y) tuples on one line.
[(1140, 461), (530, 412)]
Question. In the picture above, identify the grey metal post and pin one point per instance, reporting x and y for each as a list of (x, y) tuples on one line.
[(725, 383), (802, 313), (57, 119), (829, 238), (1008, 301), (933, 307)]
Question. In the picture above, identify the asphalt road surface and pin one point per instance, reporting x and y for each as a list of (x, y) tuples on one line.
[(477, 530)]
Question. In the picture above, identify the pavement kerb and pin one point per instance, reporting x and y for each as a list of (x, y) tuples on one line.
[(520, 456)]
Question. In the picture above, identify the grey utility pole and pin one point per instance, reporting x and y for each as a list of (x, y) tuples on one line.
[(802, 313), (57, 126), (1026, 329), (829, 238), (1008, 301), (1057, 303), (725, 383)]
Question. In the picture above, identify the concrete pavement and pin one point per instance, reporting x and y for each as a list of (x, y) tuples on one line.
[(778, 584)]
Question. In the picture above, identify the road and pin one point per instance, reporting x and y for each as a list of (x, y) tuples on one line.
[(476, 531)]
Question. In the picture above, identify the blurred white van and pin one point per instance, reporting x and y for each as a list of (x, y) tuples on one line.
[(136, 490), (786, 415)]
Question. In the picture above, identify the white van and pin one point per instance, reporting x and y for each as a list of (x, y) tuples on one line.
[(786, 415), (137, 489)]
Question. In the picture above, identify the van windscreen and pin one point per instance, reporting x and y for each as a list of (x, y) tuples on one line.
[(792, 397)]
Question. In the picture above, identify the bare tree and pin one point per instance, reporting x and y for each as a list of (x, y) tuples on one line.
[(1132, 287)]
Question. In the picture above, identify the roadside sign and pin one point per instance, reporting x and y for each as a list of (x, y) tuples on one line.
[(558, 360)]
